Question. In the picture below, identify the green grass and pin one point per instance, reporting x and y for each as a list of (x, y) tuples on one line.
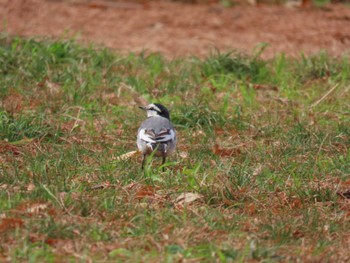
[(265, 143)]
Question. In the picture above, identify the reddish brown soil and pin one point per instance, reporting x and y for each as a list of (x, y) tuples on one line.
[(178, 29)]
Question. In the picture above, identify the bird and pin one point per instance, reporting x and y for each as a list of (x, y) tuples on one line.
[(156, 133)]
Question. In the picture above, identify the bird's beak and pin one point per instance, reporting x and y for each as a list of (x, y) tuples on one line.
[(142, 108)]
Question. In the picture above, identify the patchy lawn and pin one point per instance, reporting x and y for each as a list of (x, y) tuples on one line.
[(263, 156)]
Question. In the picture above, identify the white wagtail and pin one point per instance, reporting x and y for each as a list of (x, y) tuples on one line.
[(156, 133)]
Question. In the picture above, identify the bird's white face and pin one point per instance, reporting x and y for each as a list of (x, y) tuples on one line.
[(152, 110)]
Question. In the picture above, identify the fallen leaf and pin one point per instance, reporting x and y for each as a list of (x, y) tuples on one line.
[(36, 208), (53, 88), (199, 133), (13, 103), (30, 187), (298, 234), (4, 186), (346, 183), (345, 194), (296, 203), (219, 131), (126, 156), (52, 241), (100, 186), (250, 208), (111, 98), (186, 198), (10, 223), (183, 155), (6, 147), (144, 192), (258, 170), (225, 152), (265, 87)]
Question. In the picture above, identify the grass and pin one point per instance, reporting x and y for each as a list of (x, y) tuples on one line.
[(263, 145)]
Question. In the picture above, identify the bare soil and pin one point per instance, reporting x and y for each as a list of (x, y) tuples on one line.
[(180, 29)]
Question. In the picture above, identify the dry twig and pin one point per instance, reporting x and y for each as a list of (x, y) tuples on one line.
[(324, 96)]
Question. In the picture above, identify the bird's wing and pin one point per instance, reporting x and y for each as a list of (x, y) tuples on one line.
[(147, 135), (164, 135)]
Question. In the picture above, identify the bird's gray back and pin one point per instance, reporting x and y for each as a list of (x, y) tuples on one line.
[(157, 124)]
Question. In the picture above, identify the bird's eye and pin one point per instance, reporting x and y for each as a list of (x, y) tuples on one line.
[(154, 109)]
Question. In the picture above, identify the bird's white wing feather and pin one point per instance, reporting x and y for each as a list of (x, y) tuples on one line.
[(166, 137), (149, 136), (146, 137)]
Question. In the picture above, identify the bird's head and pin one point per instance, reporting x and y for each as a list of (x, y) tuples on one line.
[(156, 109)]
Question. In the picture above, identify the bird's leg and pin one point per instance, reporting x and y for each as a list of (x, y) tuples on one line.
[(143, 161), (163, 162)]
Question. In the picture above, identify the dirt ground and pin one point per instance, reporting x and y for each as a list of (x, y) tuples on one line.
[(179, 29)]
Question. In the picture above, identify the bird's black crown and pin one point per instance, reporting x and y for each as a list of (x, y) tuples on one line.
[(163, 111)]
